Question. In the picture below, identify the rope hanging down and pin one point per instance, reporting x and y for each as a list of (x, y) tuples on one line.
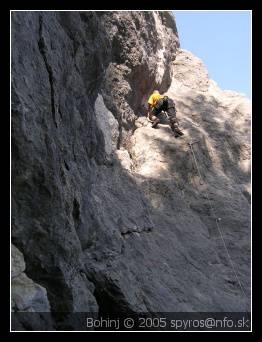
[(217, 223)]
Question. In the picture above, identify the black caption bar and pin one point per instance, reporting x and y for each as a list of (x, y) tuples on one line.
[(171, 321)]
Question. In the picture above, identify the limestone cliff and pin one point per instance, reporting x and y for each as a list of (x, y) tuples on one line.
[(108, 213)]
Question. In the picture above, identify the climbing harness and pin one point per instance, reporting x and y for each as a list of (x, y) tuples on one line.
[(217, 220)]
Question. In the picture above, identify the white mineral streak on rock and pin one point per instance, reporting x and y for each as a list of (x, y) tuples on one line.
[(26, 294), (108, 124)]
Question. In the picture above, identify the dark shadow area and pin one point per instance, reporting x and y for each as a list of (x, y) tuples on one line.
[(221, 135)]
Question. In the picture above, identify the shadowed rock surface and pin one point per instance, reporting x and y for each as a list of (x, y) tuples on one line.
[(107, 212)]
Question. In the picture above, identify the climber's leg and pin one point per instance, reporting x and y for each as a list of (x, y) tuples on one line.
[(155, 122), (175, 128), (174, 122), (153, 117)]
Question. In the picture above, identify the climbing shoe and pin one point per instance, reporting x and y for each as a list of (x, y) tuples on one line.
[(177, 132)]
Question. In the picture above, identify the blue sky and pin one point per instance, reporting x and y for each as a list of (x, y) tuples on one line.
[(222, 39)]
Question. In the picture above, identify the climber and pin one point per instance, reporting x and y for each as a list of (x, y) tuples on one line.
[(158, 103)]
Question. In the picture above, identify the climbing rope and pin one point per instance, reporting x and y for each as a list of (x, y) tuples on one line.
[(217, 224), (198, 170)]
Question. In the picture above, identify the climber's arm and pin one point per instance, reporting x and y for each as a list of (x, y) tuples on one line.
[(150, 104), (150, 107), (149, 112)]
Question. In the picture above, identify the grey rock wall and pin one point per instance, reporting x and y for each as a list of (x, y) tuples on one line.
[(70, 202), (27, 297)]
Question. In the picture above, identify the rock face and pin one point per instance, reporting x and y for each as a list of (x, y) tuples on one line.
[(27, 296), (189, 190), (108, 212)]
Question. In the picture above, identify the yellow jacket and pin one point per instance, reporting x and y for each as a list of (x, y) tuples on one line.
[(154, 98)]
